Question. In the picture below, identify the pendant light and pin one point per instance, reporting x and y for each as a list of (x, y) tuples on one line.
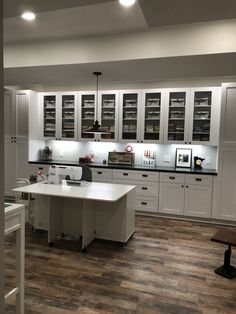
[(96, 128)]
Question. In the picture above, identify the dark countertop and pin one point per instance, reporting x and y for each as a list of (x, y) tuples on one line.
[(125, 167)]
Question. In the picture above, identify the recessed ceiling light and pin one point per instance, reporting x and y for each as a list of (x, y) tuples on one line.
[(29, 16), (127, 2)]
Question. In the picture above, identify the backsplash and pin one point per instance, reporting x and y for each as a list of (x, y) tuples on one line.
[(164, 154)]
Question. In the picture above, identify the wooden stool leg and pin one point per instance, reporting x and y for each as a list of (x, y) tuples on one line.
[(227, 270)]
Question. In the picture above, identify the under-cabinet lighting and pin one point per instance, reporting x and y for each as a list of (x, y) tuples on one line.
[(29, 16), (127, 2)]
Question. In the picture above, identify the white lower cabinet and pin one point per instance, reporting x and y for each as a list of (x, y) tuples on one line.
[(102, 175), (171, 200), (191, 196), (198, 201), (147, 187)]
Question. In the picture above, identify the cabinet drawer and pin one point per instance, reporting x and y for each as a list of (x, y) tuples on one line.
[(144, 189), (199, 179), (169, 177), (102, 175), (136, 175), (147, 204)]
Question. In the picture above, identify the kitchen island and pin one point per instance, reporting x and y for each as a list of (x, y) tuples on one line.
[(90, 210)]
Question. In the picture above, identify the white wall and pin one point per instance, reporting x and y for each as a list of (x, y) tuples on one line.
[(184, 40), (1, 171)]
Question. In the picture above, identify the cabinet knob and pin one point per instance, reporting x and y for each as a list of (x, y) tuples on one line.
[(137, 141), (185, 142), (144, 188), (186, 186), (190, 142), (182, 186)]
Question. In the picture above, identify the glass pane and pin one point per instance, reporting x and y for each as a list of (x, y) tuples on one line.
[(49, 116), (152, 116), (87, 114), (202, 116), (130, 114), (68, 116), (177, 103), (108, 115)]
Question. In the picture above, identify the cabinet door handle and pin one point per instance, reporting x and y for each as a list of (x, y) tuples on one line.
[(182, 186), (144, 188), (198, 179), (186, 186), (171, 178), (99, 172), (144, 175), (143, 203), (125, 174)]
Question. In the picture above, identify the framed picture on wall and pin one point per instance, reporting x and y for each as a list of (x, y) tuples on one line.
[(183, 157)]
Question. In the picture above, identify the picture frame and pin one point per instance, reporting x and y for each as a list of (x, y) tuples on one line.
[(183, 158)]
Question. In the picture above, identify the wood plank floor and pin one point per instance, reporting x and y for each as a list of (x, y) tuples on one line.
[(167, 267)]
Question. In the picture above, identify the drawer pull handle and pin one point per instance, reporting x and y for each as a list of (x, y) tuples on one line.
[(143, 203), (125, 174), (144, 188), (99, 172), (198, 179), (171, 178), (145, 175)]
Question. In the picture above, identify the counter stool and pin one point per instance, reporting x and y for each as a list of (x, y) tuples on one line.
[(227, 237)]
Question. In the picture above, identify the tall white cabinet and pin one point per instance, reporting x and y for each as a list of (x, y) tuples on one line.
[(16, 118), (224, 194)]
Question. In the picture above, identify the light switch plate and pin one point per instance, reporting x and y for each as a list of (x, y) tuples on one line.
[(166, 158)]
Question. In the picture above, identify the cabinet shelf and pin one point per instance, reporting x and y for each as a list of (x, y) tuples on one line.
[(152, 119), (130, 107), (176, 132), (179, 119), (65, 108)]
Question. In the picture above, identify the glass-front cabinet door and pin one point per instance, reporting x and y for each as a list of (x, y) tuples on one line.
[(108, 115), (68, 110), (152, 105), (130, 116), (177, 117), (204, 122), (49, 116), (87, 114)]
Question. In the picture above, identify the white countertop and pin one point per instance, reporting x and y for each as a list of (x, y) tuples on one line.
[(88, 190)]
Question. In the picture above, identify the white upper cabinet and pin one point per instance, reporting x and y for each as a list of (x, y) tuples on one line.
[(152, 116), (177, 116), (130, 116), (59, 111), (192, 116), (68, 116), (105, 110), (228, 114), (108, 103), (87, 115), (205, 113)]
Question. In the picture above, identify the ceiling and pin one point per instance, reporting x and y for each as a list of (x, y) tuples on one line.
[(64, 19)]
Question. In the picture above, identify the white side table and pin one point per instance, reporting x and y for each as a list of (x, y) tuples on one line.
[(15, 222)]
